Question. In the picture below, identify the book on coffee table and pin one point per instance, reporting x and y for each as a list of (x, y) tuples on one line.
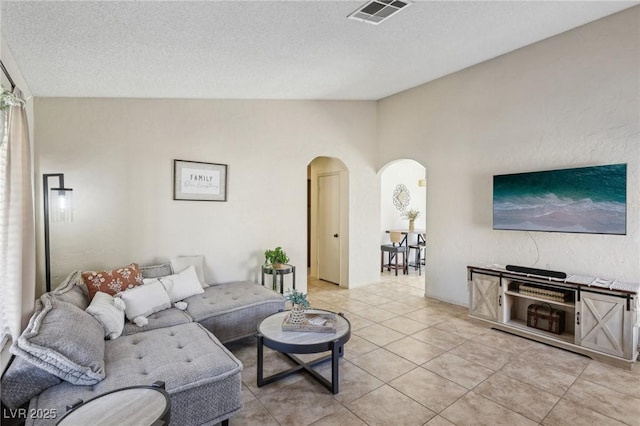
[(315, 322)]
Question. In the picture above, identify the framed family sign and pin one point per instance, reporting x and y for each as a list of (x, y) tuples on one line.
[(198, 181)]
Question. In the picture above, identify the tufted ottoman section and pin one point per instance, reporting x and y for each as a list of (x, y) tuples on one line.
[(164, 318), (201, 375), (232, 311)]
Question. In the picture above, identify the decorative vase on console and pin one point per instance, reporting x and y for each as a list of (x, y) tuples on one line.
[(411, 214)]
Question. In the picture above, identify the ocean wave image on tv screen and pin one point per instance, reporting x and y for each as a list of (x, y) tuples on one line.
[(585, 200)]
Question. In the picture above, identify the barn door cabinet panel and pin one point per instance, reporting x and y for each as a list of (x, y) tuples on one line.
[(600, 317), (485, 299), (604, 323)]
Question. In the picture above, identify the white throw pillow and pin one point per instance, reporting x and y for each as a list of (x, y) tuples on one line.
[(109, 312), (179, 286), (180, 263), (144, 300)]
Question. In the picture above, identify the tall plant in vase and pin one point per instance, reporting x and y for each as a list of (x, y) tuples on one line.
[(412, 215)]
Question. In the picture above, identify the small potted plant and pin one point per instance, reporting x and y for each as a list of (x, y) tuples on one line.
[(276, 257), (412, 215), (299, 303)]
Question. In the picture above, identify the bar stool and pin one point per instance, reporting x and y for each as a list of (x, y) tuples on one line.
[(394, 249), (419, 247)]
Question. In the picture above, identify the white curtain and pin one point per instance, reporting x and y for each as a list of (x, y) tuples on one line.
[(17, 223)]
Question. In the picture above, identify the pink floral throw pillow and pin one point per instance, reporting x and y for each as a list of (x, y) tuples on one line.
[(114, 281)]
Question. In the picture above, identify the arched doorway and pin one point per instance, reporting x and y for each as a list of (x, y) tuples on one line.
[(327, 220), (402, 188)]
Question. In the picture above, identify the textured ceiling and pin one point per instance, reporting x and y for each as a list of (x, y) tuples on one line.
[(267, 49)]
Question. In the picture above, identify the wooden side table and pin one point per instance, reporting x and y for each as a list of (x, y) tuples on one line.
[(132, 406), (285, 269)]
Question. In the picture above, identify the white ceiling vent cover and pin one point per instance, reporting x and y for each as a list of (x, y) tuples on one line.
[(376, 11)]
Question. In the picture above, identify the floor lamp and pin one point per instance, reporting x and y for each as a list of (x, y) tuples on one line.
[(61, 210)]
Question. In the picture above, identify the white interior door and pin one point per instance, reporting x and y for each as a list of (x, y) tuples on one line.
[(329, 228)]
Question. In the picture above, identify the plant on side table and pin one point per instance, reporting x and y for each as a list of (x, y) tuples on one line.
[(276, 257), (299, 303)]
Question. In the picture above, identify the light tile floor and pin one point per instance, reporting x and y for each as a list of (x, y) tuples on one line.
[(413, 360)]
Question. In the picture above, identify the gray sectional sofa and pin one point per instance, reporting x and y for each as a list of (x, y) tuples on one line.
[(183, 348)]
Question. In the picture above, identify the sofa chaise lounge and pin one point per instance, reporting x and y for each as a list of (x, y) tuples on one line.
[(67, 353)]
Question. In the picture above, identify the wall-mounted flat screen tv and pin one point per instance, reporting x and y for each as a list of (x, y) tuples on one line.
[(584, 200)]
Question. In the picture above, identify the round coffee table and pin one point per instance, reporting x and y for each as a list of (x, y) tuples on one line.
[(132, 406), (271, 335)]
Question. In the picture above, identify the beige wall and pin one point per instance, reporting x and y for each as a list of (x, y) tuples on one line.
[(406, 172), (117, 156), (571, 100), (568, 101)]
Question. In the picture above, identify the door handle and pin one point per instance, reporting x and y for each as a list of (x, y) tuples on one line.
[(335, 235)]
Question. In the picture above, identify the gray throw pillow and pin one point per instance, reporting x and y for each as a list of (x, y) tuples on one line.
[(73, 290), (23, 381), (63, 340), (156, 271)]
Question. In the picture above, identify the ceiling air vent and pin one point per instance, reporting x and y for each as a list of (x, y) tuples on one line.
[(376, 11)]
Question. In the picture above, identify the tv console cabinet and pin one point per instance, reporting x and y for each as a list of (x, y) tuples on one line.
[(601, 317)]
